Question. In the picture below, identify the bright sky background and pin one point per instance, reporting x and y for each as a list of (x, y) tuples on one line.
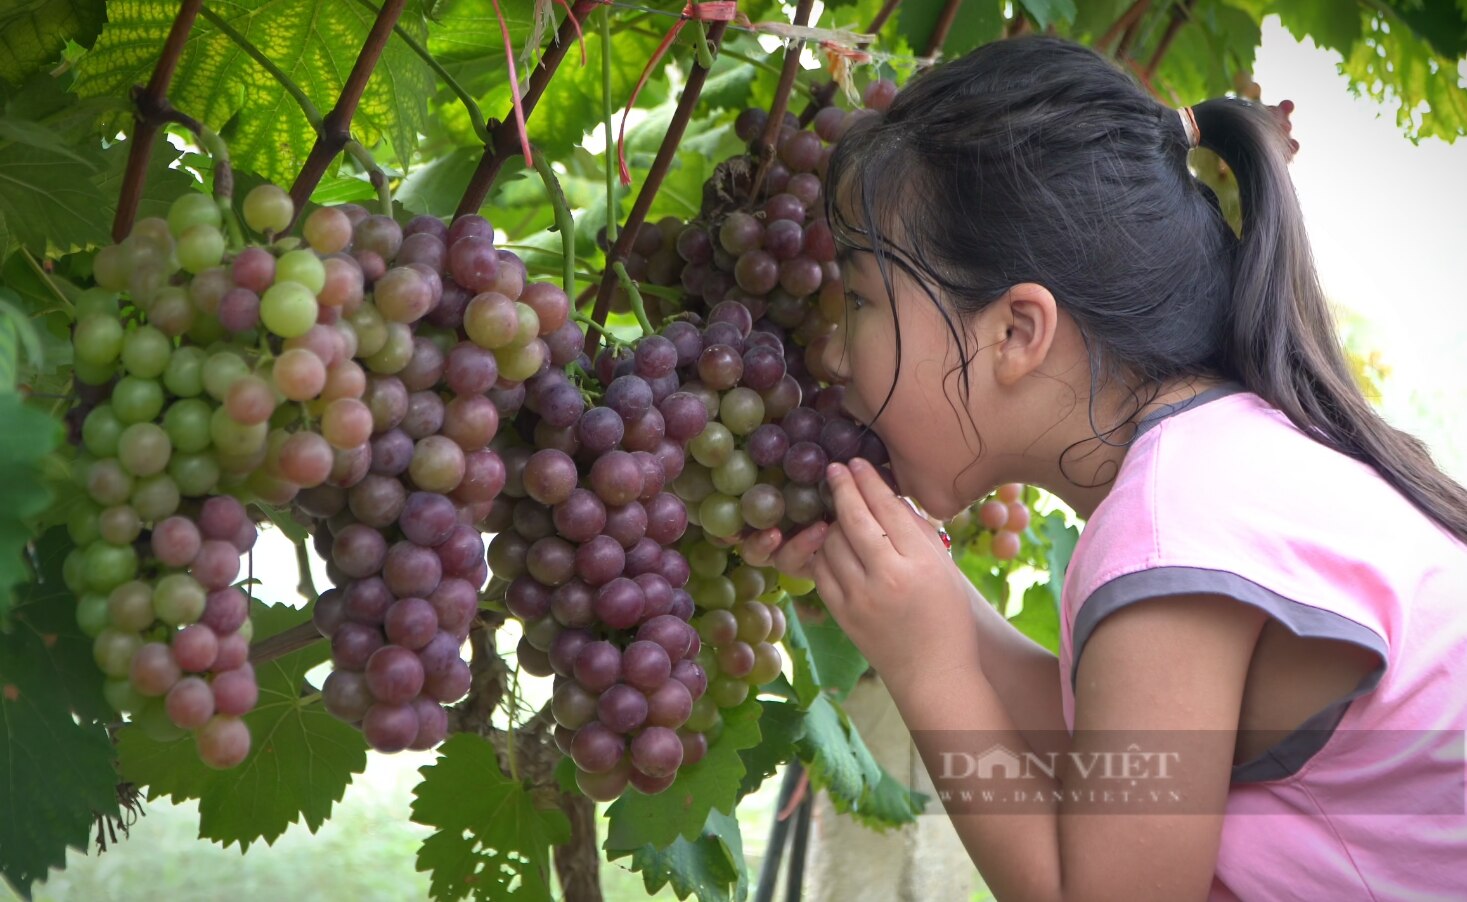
[(1388, 223)]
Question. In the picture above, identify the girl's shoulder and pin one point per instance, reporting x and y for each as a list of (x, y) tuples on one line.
[(1229, 497)]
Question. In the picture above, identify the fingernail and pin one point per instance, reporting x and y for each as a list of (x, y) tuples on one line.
[(833, 471), (859, 464)]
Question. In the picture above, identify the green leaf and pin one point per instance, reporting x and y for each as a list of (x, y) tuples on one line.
[(1060, 540), (1039, 618), (45, 610), (710, 867), (1220, 40), (468, 30), (315, 43), (571, 105), (301, 758), (835, 754), (33, 33), (839, 762), (49, 200), (1442, 24), (1332, 24), (493, 838), (162, 185), (34, 134), (28, 436), (56, 760), (435, 187), (824, 657), (890, 804), (977, 23), (1046, 12), (1400, 66), (682, 808), (780, 726), (58, 771)]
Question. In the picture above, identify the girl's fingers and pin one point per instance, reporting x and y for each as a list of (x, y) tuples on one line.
[(840, 553), (892, 515), (760, 547), (795, 555), (853, 514)]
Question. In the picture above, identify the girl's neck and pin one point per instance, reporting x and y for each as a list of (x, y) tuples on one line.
[(1085, 467)]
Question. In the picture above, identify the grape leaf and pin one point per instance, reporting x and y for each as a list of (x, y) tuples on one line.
[(162, 185), (301, 758), (58, 770), (1045, 12), (1039, 618), (710, 867), (28, 436), (1332, 24), (56, 758), (839, 762), (1400, 66), (890, 803), (835, 755), (977, 22), (571, 105), (1059, 540), (824, 657), (315, 43), (781, 725), (33, 33), (49, 200), (462, 30), (1219, 40), (682, 808), (492, 837), (46, 609)]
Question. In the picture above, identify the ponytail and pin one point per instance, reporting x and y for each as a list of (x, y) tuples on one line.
[(1281, 341)]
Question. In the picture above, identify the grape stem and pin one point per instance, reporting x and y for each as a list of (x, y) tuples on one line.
[(564, 222), (223, 175), (375, 175), (307, 585), (150, 101), (944, 25), (294, 639), (1180, 15), (629, 285), (764, 147), (675, 129), (503, 140), (1128, 18), (335, 130)]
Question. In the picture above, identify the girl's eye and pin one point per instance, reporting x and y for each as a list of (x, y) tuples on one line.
[(855, 301)]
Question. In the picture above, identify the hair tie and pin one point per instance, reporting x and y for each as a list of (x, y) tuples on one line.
[(1189, 125)]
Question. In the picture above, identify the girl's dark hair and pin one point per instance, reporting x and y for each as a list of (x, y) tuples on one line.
[(1035, 159)]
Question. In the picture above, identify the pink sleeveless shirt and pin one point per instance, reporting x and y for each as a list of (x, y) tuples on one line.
[(1225, 496)]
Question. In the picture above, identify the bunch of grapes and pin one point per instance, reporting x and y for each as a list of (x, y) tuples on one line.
[(400, 528), (995, 524)]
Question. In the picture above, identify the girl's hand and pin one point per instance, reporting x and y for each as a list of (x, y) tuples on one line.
[(768, 548), (887, 578)]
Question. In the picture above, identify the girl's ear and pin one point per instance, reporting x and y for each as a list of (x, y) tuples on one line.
[(1022, 327)]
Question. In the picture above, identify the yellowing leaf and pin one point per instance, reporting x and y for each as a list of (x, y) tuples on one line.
[(315, 43)]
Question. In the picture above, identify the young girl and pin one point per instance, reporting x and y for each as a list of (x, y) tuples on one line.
[(1269, 590)]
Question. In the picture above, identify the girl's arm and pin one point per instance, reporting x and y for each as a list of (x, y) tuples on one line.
[(1159, 688), (1023, 673)]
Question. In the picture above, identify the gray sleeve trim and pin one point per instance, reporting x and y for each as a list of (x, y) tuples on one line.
[(1288, 755)]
